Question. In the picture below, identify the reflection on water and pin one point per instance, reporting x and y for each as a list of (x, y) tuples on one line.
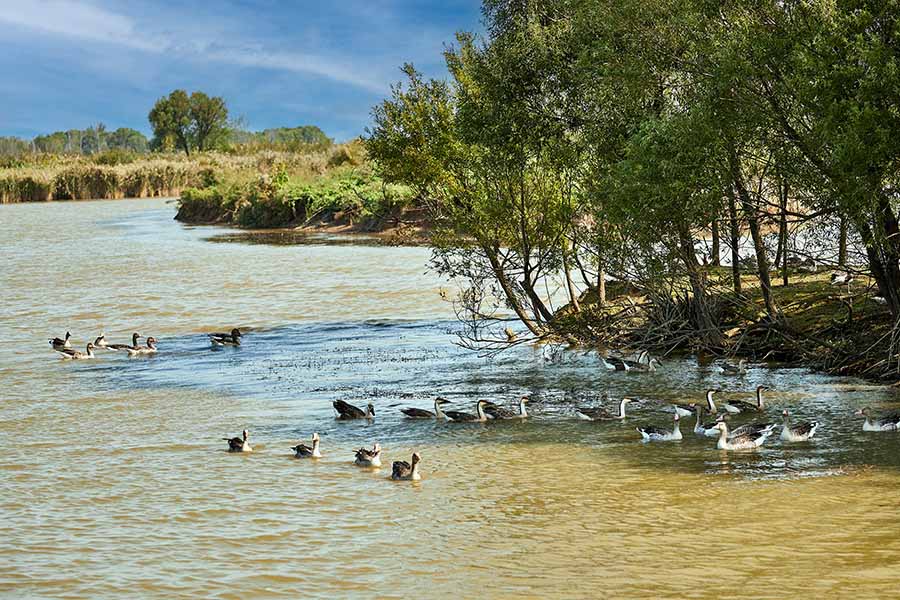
[(116, 482), (290, 237)]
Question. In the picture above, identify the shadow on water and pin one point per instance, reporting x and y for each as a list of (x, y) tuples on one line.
[(283, 237), (407, 363)]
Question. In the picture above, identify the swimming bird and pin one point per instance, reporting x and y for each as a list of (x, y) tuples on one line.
[(239, 444), (134, 343), (304, 451), (150, 348), (77, 354), (710, 405), (345, 411), (226, 339), (887, 422), (746, 441), (655, 434), (404, 471), (601, 414), (739, 406), (685, 411), (501, 413), (59, 344), (752, 429), (616, 363), (455, 416), (369, 458), (421, 413), (707, 429), (801, 432), (730, 369), (100, 341)]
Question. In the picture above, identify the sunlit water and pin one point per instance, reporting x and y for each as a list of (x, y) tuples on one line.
[(115, 482)]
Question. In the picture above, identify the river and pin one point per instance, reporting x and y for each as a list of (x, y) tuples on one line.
[(116, 483)]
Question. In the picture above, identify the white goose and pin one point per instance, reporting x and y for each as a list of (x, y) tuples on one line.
[(746, 441), (654, 434), (887, 422), (705, 429), (688, 411), (801, 432), (368, 458), (304, 451)]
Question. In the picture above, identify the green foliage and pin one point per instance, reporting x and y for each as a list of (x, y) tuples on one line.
[(195, 122)]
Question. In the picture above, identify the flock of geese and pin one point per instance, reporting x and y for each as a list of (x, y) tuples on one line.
[(747, 436)]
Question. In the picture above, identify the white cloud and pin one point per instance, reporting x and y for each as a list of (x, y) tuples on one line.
[(89, 22)]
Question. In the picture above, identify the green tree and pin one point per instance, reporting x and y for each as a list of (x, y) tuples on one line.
[(170, 118), (208, 120)]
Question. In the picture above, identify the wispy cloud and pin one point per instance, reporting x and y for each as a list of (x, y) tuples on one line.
[(93, 23)]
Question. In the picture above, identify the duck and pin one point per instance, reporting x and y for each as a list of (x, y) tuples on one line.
[(69, 353), (739, 369), (304, 451), (226, 339), (887, 422), (150, 348), (747, 441), (739, 406), (455, 416), (134, 343), (100, 341), (705, 429), (369, 458), (421, 413), (685, 411), (404, 471), (601, 414), (655, 434), (60, 343), (501, 413), (345, 411), (801, 432), (239, 444), (710, 405)]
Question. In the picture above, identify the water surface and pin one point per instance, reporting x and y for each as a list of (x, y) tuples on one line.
[(116, 484)]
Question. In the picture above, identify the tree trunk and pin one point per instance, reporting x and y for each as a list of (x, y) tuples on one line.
[(842, 244), (703, 320), (759, 246), (513, 300), (601, 287), (573, 296), (783, 234), (716, 250), (735, 242)]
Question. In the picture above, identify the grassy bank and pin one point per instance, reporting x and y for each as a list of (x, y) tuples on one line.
[(337, 187), (823, 327)]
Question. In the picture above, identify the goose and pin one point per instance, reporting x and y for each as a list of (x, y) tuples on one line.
[(369, 458), (404, 471), (455, 416), (752, 429), (501, 413), (845, 278), (100, 341), (739, 406), (239, 444), (710, 405), (801, 432), (150, 348), (345, 411), (654, 434), (134, 339), (59, 344), (421, 413), (888, 422), (601, 414), (77, 354), (730, 369), (304, 451), (747, 441), (615, 363), (685, 411), (226, 339), (705, 429)]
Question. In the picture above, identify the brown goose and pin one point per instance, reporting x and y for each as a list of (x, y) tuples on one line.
[(455, 416), (150, 348), (421, 413), (226, 339), (345, 411), (739, 406), (601, 414), (501, 413), (304, 451), (368, 458), (239, 444), (801, 432), (59, 344), (134, 343), (76, 354), (404, 471)]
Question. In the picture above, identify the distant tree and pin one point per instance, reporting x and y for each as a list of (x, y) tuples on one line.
[(171, 118), (13, 146), (125, 138), (209, 120)]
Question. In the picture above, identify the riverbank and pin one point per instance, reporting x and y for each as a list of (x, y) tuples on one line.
[(823, 327)]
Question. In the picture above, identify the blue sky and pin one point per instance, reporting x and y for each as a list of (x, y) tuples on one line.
[(67, 64)]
